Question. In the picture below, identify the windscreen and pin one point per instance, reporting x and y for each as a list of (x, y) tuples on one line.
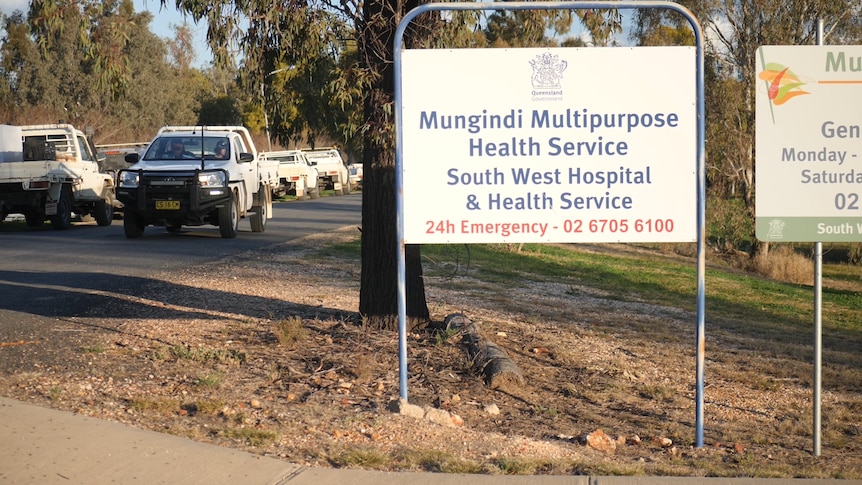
[(189, 148)]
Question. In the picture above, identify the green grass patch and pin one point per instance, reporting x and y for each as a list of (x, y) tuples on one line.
[(254, 437), (207, 354), (162, 406), (436, 461), (730, 294), (361, 457), (210, 407), (212, 380), (94, 348)]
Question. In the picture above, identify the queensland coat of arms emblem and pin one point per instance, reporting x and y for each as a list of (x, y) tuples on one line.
[(547, 71)]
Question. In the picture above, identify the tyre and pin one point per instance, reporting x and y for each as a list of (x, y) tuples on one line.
[(228, 218), (313, 192), (104, 212), (34, 218), (63, 218), (133, 224), (259, 212)]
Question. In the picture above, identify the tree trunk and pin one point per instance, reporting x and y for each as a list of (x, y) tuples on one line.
[(500, 371), (378, 292)]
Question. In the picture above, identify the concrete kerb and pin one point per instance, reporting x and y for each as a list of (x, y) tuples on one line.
[(47, 446)]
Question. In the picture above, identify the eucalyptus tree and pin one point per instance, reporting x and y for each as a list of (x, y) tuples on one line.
[(95, 64), (336, 60), (733, 32)]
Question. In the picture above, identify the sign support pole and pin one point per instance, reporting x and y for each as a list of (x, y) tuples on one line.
[(818, 315), (700, 162)]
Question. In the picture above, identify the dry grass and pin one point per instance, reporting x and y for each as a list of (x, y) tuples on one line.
[(289, 332), (784, 263)]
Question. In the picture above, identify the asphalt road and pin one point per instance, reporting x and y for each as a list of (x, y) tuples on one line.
[(47, 275)]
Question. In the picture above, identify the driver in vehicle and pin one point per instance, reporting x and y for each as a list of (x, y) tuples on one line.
[(221, 150), (178, 150)]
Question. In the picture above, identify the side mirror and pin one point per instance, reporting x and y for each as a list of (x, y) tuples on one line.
[(132, 158), (246, 157)]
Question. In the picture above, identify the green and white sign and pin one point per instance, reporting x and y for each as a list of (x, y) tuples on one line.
[(808, 142)]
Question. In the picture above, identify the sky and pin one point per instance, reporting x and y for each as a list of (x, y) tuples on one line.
[(163, 18)]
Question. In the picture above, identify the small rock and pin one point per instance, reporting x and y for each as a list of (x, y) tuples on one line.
[(255, 404), (458, 421), (598, 440), (492, 409), (439, 416), (662, 441), (402, 407)]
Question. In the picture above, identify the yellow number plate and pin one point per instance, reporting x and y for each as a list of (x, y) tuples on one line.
[(167, 205)]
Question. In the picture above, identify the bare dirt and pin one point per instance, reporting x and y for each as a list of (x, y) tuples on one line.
[(609, 385)]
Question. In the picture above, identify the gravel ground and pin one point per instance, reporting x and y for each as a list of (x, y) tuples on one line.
[(265, 352)]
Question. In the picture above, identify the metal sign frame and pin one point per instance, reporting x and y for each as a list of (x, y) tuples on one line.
[(700, 169)]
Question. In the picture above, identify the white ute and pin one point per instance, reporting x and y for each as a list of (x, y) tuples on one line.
[(48, 172), (197, 175), (295, 173), (331, 171)]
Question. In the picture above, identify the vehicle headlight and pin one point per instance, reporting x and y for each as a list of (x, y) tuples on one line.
[(128, 179), (211, 179)]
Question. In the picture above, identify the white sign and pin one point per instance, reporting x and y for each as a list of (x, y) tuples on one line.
[(808, 170), (549, 145)]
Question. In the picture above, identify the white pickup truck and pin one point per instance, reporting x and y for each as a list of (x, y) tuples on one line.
[(331, 171), (49, 172), (295, 173), (197, 175), (356, 174)]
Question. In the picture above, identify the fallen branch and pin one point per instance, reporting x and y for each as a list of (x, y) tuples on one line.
[(20, 342), (499, 370)]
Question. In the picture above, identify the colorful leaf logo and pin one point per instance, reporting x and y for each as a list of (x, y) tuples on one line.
[(784, 85)]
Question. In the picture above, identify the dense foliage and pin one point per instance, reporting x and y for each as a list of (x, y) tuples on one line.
[(314, 73)]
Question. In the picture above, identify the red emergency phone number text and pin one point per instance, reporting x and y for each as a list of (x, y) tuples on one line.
[(618, 225)]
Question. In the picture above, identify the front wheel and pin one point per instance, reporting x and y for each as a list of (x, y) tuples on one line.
[(259, 212), (63, 218), (228, 218), (104, 212)]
